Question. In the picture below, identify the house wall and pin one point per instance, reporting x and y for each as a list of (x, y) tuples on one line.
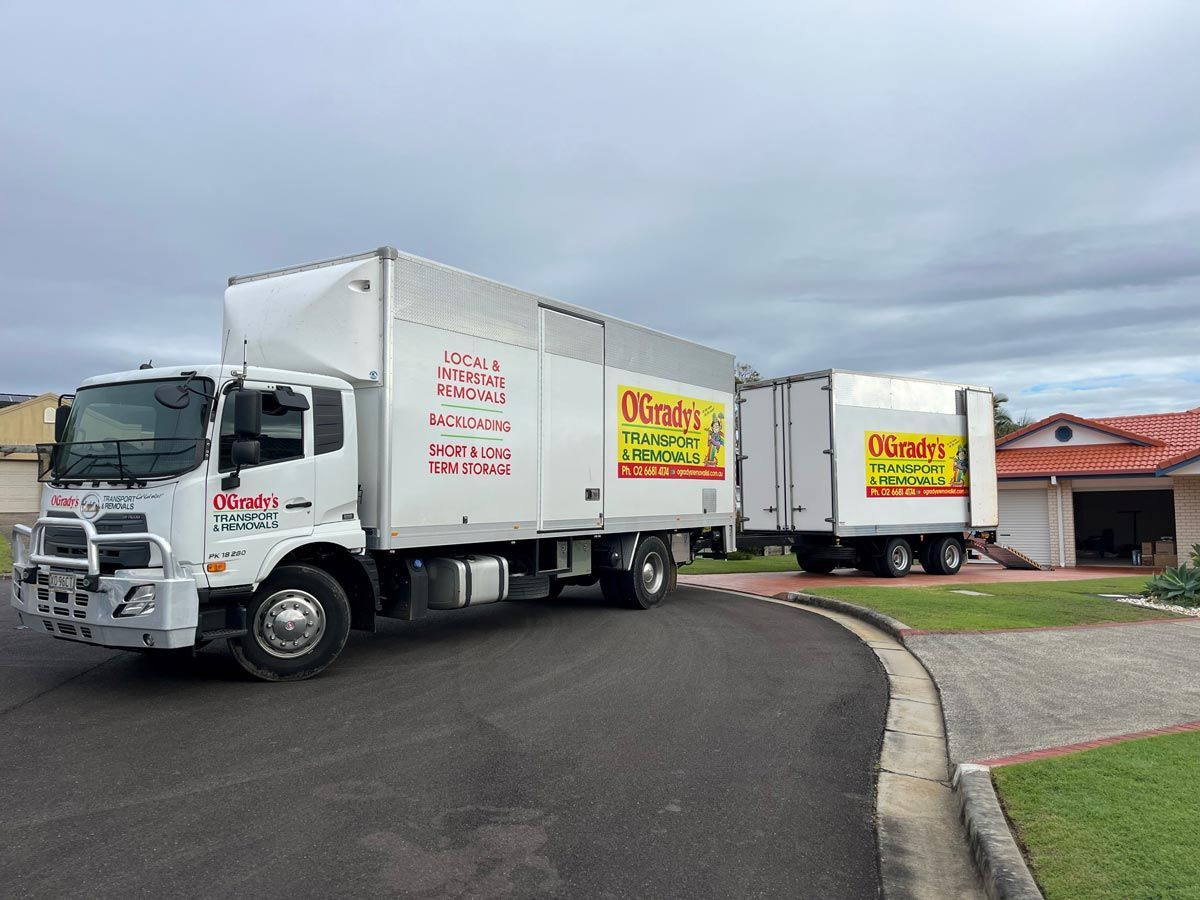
[(1067, 557), (1187, 514), (25, 423)]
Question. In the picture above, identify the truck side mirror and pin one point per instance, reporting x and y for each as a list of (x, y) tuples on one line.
[(245, 452), (61, 414), (247, 413)]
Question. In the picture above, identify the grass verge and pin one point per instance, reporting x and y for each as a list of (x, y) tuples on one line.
[(1025, 604), (1118, 821), (700, 566), (5, 557)]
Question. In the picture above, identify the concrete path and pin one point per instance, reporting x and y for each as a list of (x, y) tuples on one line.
[(1008, 692)]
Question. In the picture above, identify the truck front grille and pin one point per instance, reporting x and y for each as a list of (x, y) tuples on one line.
[(70, 542)]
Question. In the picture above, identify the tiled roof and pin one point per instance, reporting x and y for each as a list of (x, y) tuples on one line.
[(1169, 438)]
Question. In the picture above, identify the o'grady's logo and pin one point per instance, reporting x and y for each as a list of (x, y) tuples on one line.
[(90, 506), (59, 501), (239, 501)]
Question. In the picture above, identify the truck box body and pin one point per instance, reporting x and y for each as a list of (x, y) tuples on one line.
[(487, 413), (849, 455)]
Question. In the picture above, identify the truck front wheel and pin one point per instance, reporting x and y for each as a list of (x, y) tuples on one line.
[(298, 622)]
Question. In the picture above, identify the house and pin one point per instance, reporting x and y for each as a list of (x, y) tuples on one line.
[(28, 421), (1076, 491)]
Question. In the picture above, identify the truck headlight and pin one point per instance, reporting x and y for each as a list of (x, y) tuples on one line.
[(139, 601)]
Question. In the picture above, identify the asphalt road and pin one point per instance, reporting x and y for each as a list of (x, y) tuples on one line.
[(717, 746)]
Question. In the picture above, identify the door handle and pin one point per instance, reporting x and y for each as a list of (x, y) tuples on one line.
[(298, 503), (769, 508)]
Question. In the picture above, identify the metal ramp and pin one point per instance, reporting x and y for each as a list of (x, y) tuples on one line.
[(1009, 557)]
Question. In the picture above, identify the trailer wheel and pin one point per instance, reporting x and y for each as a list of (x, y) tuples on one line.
[(945, 556), (815, 566), (299, 619), (648, 580), (896, 560)]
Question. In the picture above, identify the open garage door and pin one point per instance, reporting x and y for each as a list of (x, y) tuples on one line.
[(1025, 523)]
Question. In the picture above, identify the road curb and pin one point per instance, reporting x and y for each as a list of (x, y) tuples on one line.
[(894, 627), (998, 859), (997, 856)]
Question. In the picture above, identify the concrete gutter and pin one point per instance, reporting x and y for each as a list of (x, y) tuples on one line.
[(914, 782), (922, 853), (997, 856)]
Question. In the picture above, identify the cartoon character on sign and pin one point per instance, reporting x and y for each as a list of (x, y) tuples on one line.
[(960, 466), (716, 438)]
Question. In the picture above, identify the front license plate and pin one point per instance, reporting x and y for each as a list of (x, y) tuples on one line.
[(62, 582)]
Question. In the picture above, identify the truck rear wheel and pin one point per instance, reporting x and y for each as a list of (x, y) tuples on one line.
[(298, 622), (896, 560), (649, 579), (945, 556)]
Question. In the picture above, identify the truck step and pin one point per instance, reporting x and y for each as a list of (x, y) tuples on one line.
[(218, 633)]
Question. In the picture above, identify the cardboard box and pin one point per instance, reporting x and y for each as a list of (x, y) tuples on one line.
[(1147, 549), (1165, 559)]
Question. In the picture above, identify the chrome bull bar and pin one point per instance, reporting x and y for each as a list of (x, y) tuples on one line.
[(34, 551)]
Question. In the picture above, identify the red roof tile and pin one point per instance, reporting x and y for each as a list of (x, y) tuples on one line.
[(1169, 438)]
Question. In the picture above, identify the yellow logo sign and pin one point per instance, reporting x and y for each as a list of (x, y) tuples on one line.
[(662, 435), (900, 464)]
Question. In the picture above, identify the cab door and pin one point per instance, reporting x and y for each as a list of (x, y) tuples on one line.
[(273, 501)]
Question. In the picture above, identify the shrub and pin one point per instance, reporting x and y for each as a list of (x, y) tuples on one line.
[(1196, 555), (1179, 585)]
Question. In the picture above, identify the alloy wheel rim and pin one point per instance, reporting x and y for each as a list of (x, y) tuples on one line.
[(289, 624), (653, 573)]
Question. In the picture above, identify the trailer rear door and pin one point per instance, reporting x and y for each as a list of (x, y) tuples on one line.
[(571, 426), (760, 410)]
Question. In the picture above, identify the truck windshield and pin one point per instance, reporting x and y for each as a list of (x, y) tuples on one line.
[(120, 432)]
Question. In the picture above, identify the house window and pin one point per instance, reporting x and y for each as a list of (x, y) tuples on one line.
[(1063, 433)]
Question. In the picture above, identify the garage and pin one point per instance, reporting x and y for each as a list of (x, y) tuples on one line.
[(1111, 524), (19, 487), (1025, 522)]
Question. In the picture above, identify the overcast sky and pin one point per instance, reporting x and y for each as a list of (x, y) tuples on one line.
[(1000, 193)]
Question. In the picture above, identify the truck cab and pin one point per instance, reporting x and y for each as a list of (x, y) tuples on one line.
[(172, 495)]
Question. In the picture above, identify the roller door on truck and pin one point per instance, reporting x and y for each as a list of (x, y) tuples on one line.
[(1025, 523)]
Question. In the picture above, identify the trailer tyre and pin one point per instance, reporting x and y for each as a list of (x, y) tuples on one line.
[(946, 556), (896, 560), (815, 566), (650, 577), (299, 619)]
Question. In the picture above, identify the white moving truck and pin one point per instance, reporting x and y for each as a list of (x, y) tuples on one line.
[(867, 471), (400, 436)]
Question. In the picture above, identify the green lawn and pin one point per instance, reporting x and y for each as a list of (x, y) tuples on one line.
[(1119, 821), (699, 566), (5, 557), (1011, 605)]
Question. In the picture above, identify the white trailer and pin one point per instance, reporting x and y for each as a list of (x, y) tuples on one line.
[(867, 471), (397, 436)]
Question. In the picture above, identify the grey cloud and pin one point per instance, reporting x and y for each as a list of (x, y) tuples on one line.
[(1000, 194)]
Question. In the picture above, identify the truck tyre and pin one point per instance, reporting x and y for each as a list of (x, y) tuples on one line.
[(896, 560), (946, 555), (298, 622), (815, 566), (649, 578)]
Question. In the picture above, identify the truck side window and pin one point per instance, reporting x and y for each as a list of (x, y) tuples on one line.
[(282, 433)]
